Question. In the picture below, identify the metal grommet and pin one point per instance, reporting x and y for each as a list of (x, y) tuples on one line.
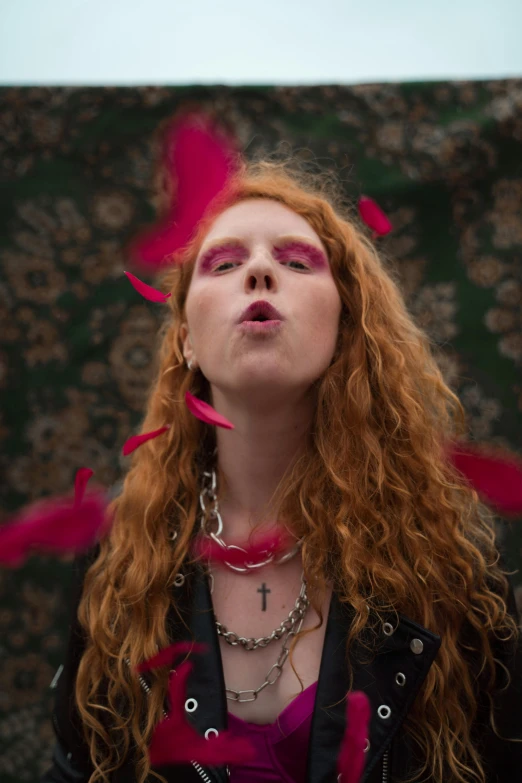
[(416, 646), (384, 711), (400, 679), (388, 629), (366, 745), (214, 731), (191, 705), (179, 580)]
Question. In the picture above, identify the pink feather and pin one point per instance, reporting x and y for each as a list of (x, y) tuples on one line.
[(274, 543), (373, 216), (175, 741), (202, 161), (80, 483), (351, 759), (136, 441), (205, 412), (495, 473), (166, 656), (58, 525), (147, 291)]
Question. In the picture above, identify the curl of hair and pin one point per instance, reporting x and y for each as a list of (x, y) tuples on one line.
[(379, 507)]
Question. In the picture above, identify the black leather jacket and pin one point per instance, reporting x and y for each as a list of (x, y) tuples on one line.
[(391, 681)]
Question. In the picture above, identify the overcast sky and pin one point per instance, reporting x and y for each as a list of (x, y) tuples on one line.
[(96, 42)]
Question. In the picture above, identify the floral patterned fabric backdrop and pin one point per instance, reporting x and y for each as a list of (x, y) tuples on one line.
[(443, 159)]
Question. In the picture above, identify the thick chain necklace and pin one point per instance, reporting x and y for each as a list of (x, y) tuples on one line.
[(209, 490), (289, 628)]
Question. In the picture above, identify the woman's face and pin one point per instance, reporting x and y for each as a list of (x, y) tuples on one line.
[(261, 250)]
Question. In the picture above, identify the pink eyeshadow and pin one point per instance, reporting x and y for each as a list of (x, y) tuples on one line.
[(228, 250), (289, 249), (315, 256)]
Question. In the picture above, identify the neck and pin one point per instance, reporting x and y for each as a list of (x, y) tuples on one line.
[(253, 457)]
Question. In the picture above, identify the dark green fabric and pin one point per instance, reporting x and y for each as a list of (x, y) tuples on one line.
[(443, 159)]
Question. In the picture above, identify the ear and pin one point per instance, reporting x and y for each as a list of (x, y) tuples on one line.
[(188, 350)]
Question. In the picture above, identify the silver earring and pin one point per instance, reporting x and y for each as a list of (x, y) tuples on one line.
[(189, 364)]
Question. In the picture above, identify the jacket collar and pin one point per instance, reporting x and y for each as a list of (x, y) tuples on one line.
[(391, 653), (406, 648)]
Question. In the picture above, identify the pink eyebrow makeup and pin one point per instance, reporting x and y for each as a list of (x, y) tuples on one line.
[(312, 254), (287, 250), (230, 250)]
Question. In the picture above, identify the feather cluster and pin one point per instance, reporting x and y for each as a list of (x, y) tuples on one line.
[(351, 759), (374, 217), (201, 160), (243, 554), (495, 473), (205, 412), (146, 291), (134, 442), (59, 525), (175, 740)]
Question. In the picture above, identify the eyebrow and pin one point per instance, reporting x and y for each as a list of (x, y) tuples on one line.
[(283, 245)]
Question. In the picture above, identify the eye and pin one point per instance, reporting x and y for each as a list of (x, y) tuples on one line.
[(219, 266), (298, 262)]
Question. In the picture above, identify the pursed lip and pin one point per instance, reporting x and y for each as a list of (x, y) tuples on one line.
[(260, 307)]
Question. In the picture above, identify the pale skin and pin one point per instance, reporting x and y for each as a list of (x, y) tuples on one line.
[(262, 383)]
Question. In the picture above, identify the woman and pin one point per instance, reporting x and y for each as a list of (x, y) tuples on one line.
[(340, 418)]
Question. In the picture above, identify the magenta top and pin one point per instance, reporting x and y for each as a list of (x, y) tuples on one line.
[(281, 746)]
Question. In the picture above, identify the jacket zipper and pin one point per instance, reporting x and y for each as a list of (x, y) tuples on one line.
[(201, 772), (199, 769), (385, 770)]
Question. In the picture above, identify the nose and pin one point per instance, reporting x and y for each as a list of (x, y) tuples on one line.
[(260, 271)]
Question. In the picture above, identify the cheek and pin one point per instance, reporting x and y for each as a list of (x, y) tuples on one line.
[(197, 305), (324, 309), (203, 311)]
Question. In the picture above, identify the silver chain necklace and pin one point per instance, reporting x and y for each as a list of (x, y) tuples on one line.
[(289, 628), (213, 513)]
